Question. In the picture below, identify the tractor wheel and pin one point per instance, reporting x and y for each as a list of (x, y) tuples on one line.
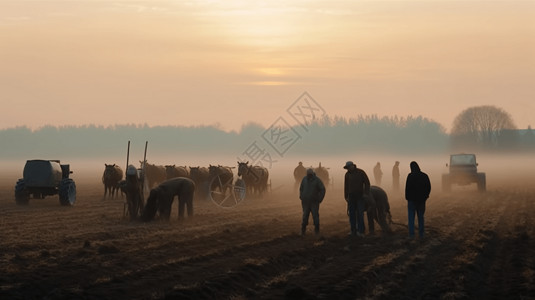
[(67, 192), (481, 182), (22, 196), (446, 184)]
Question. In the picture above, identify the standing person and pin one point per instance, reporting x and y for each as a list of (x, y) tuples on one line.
[(377, 174), (356, 184), (395, 176), (299, 172), (311, 193), (417, 190)]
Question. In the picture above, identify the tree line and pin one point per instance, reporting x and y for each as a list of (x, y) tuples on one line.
[(329, 135)]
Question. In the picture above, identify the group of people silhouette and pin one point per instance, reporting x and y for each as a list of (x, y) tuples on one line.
[(357, 194)]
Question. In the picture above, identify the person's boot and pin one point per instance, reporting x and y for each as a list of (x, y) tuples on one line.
[(303, 229), (317, 229)]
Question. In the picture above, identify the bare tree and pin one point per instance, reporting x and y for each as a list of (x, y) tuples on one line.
[(482, 125)]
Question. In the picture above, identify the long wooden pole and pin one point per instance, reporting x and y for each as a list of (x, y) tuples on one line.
[(127, 156), (143, 170)]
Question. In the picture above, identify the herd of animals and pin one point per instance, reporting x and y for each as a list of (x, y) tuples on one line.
[(256, 179), (167, 182), (162, 178)]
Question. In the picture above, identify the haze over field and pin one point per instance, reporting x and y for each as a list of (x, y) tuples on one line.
[(231, 62)]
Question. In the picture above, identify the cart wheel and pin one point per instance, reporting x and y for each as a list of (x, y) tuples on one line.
[(225, 194)]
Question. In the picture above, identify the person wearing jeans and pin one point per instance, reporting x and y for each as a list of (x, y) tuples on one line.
[(311, 193), (417, 190), (356, 184)]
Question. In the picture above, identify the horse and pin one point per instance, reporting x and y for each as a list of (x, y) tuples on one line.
[(154, 174), (299, 173), (255, 177), (225, 176), (378, 209), (201, 177), (110, 178), (323, 174), (161, 198), (173, 171), (224, 172)]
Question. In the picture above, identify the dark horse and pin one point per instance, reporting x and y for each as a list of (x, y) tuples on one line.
[(378, 209), (111, 177), (225, 177), (323, 174), (255, 177)]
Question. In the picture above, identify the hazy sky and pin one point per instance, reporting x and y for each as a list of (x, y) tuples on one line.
[(232, 62)]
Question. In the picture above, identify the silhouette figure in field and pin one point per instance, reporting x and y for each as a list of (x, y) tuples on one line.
[(377, 174), (356, 185), (299, 172), (311, 193), (417, 190), (133, 189), (161, 198), (395, 177)]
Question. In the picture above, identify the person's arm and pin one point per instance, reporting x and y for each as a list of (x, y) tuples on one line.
[(428, 186), (346, 187), (321, 188), (366, 183), (301, 187), (408, 187)]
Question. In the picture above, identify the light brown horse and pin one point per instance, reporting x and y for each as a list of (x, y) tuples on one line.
[(174, 171), (201, 177), (154, 174)]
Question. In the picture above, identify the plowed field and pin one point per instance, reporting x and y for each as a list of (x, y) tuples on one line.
[(478, 245)]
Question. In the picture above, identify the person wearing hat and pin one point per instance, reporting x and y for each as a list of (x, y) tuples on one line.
[(311, 193), (356, 184)]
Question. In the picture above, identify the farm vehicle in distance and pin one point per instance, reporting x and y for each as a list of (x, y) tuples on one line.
[(463, 171), (45, 178)]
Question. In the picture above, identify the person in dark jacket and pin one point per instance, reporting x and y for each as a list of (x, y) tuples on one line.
[(311, 193), (356, 184), (417, 190)]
